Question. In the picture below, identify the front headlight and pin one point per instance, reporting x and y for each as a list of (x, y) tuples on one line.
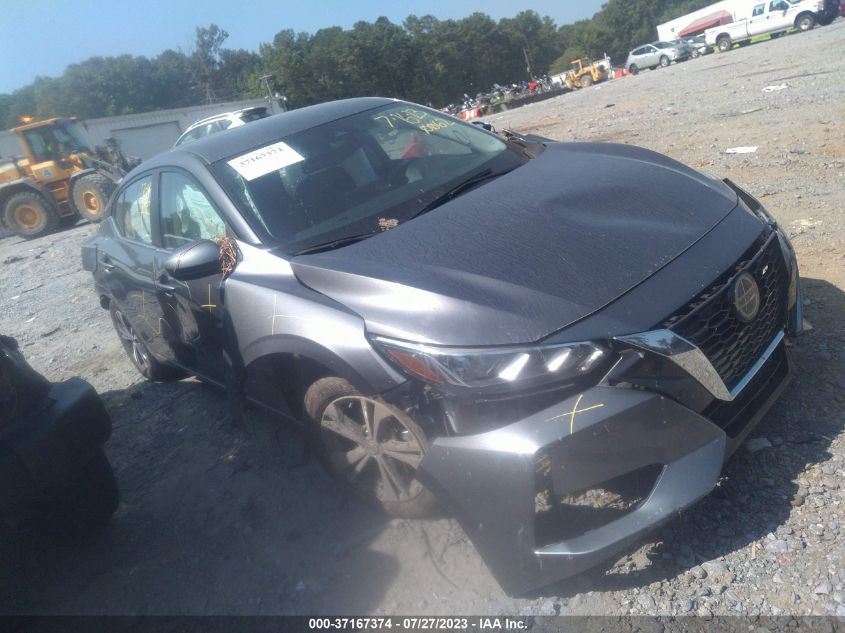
[(492, 368)]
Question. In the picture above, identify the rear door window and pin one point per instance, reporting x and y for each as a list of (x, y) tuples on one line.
[(132, 211)]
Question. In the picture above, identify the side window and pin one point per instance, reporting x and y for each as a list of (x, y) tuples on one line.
[(224, 124), (187, 214), (758, 10), (132, 211), (778, 5)]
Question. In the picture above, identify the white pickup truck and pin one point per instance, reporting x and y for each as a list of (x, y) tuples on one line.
[(768, 17)]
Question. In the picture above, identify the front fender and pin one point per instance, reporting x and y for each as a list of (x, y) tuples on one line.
[(270, 312)]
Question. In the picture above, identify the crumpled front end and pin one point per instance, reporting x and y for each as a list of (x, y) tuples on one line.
[(553, 493), (523, 492)]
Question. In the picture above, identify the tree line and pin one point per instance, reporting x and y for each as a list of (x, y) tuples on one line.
[(424, 59)]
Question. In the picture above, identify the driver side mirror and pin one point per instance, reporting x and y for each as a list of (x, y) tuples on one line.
[(194, 260)]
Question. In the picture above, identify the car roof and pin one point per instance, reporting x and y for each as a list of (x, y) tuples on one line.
[(238, 140)]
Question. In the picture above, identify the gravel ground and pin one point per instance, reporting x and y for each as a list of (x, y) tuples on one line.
[(225, 520)]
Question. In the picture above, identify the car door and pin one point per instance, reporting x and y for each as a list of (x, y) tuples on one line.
[(650, 57), (192, 309), (758, 23), (128, 260), (780, 16)]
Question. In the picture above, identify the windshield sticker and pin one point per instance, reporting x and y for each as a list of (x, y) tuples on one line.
[(417, 118), (262, 161)]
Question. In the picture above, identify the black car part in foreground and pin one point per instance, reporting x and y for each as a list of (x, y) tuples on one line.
[(52, 467), (559, 342)]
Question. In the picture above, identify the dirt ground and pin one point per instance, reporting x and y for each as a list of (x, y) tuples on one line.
[(222, 520)]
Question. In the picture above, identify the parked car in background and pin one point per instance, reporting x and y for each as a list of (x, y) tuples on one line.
[(53, 472), (770, 17), (388, 288), (657, 54), (220, 122), (697, 45)]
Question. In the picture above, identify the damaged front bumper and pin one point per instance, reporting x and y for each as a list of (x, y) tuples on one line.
[(558, 492), (547, 495)]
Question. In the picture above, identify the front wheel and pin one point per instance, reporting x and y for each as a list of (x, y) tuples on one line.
[(633, 69), (370, 446), (724, 44), (586, 81), (664, 61), (91, 195), (805, 22), (695, 53)]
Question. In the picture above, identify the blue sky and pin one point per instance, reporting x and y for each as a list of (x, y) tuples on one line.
[(44, 37)]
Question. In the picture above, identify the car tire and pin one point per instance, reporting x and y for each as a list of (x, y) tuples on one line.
[(136, 349), (28, 214), (633, 69), (351, 433), (695, 53), (724, 43), (664, 61), (82, 507), (805, 22), (90, 195)]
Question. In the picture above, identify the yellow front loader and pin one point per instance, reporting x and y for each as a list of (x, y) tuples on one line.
[(58, 177), (583, 73)]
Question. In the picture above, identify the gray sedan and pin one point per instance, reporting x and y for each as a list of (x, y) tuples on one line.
[(561, 362), (657, 54)]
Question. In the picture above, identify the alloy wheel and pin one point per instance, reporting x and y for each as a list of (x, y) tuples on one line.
[(131, 342), (370, 446)]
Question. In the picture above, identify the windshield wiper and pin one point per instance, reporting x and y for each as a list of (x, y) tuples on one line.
[(462, 186), (341, 241)]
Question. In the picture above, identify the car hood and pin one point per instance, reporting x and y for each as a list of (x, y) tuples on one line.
[(527, 254)]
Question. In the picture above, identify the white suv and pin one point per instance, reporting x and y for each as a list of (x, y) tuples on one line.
[(220, 122)]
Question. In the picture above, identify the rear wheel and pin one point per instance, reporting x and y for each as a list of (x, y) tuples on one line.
[(370, 446), (586, 81), (724, 43), (664, 61), (805, 22), (29, 215), (91, 195), (136, 349), (633, 69)]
